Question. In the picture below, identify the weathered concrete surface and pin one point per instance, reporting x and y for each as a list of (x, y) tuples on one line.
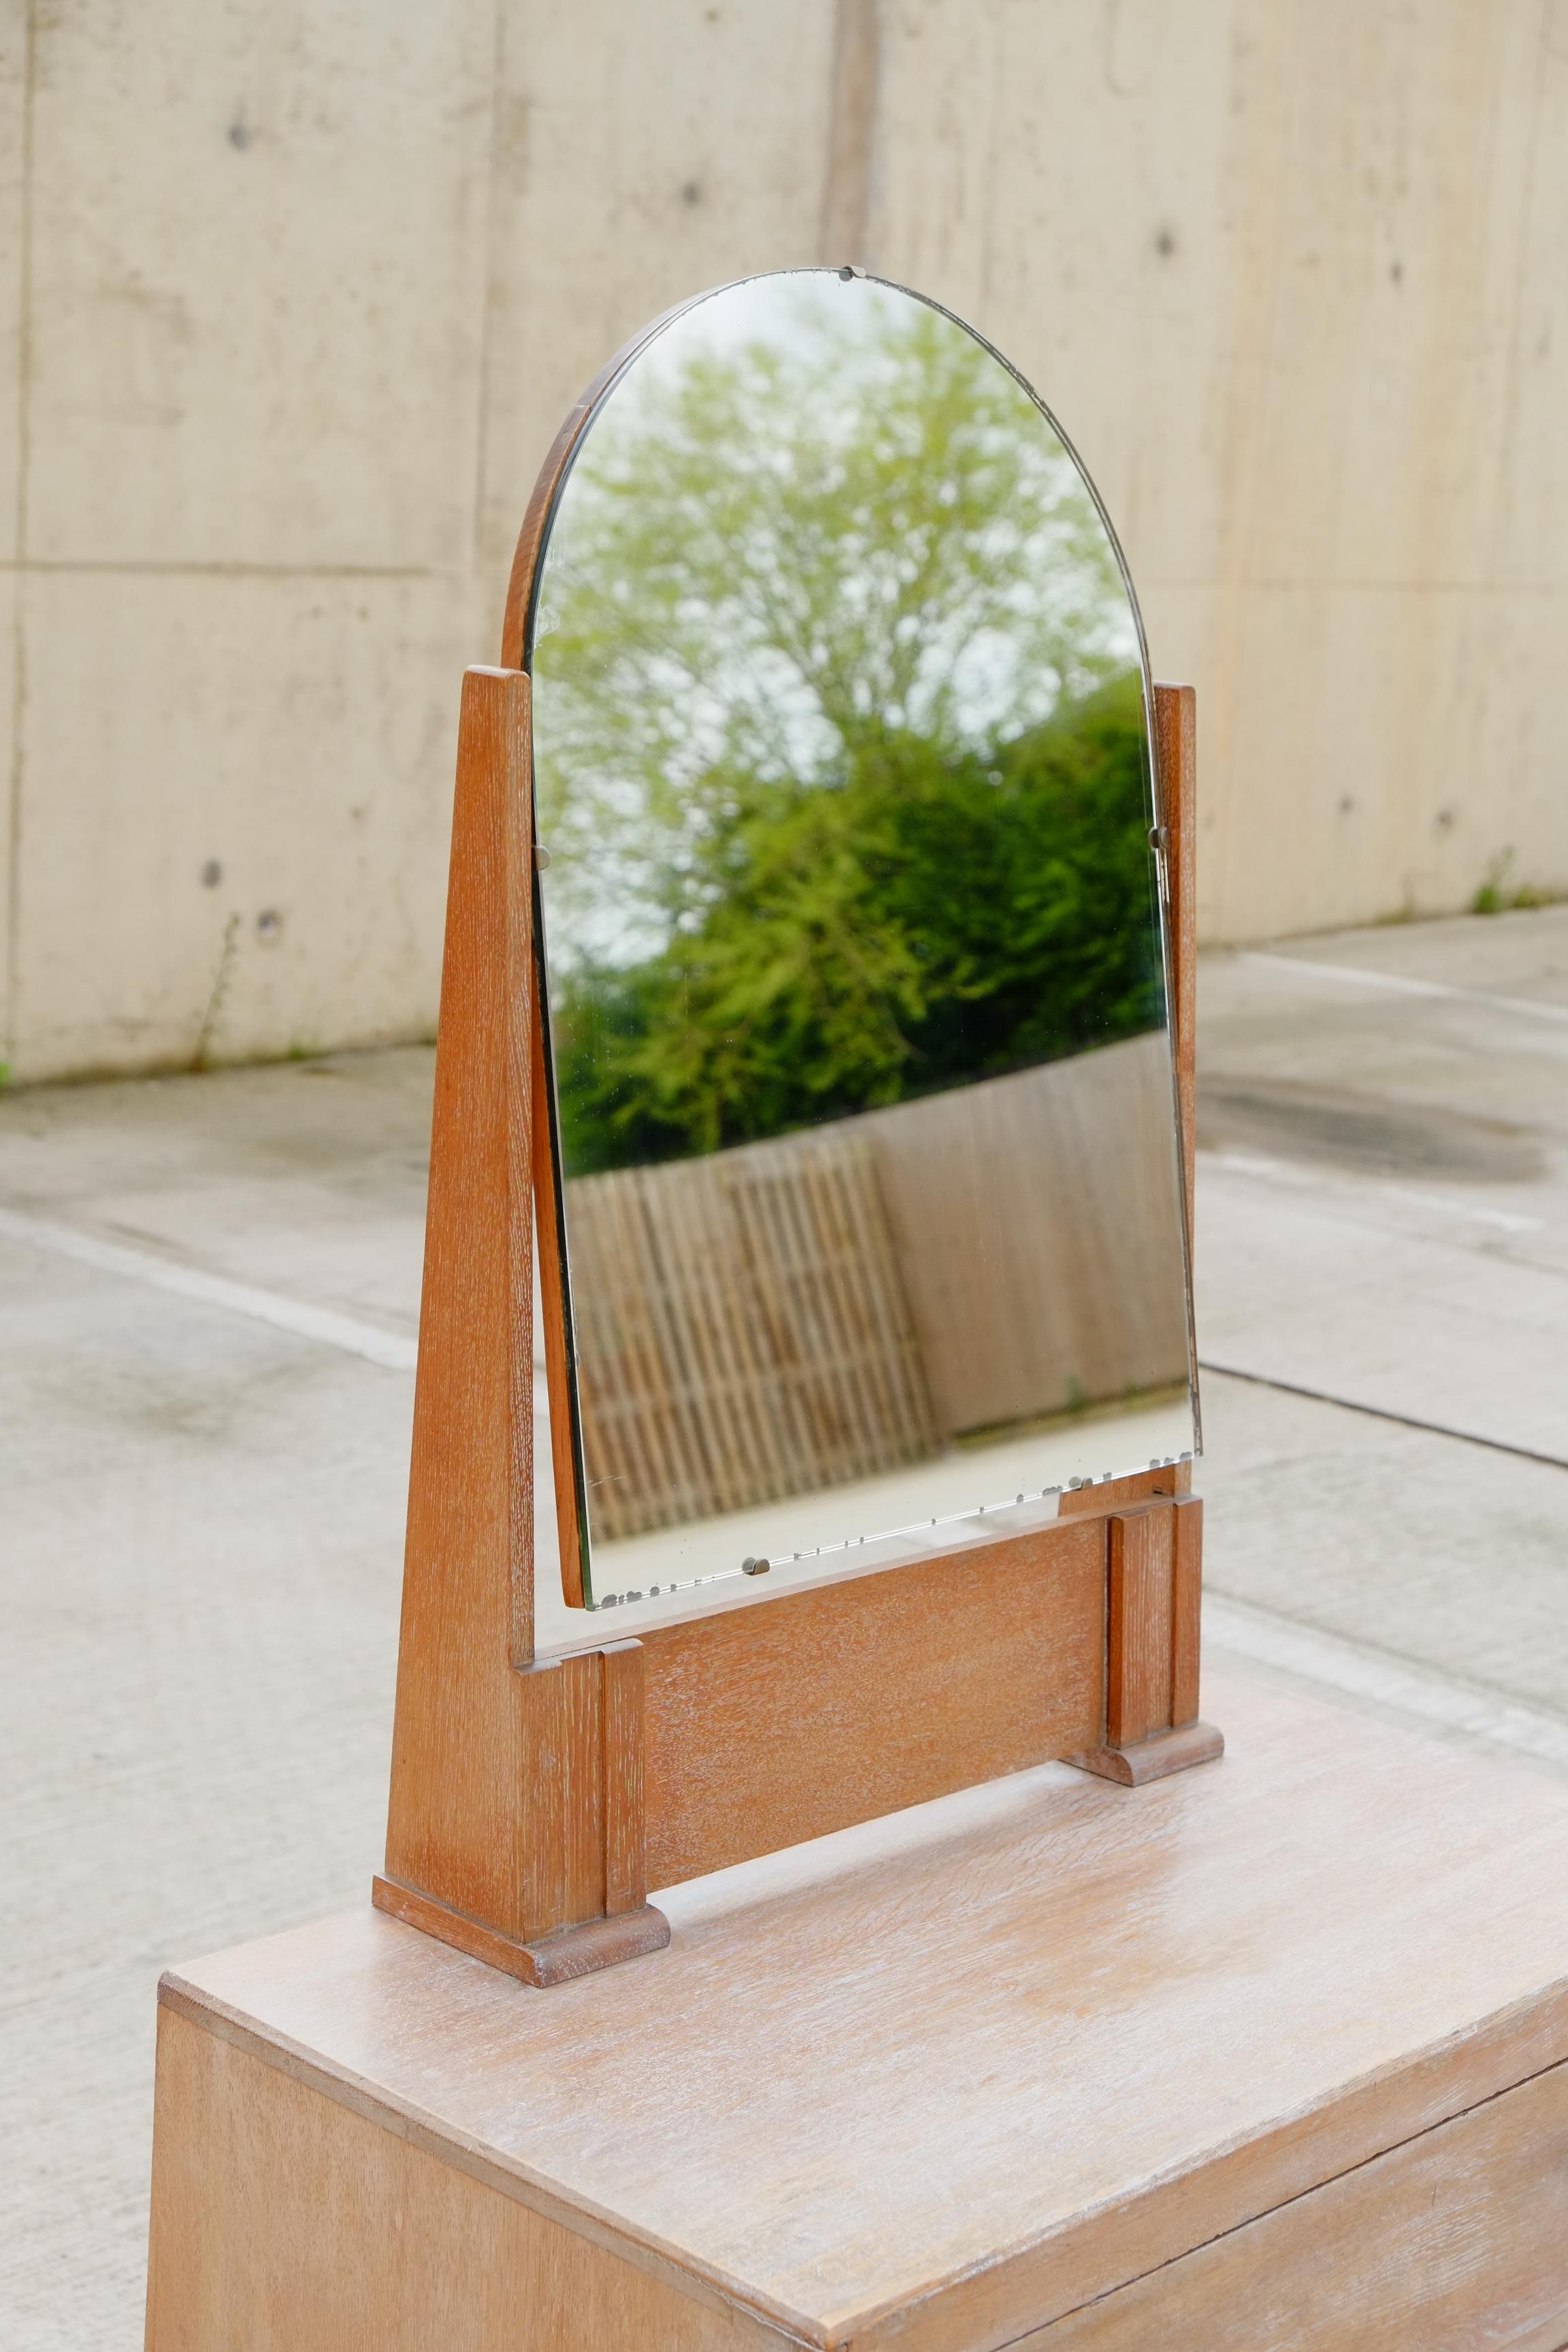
[(1383, 1219), (200, 1513), (201, 1546), (293, 297)]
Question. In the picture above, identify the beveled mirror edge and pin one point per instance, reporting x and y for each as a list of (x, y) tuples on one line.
[(518, 618), (550, 1273), (517, 636)]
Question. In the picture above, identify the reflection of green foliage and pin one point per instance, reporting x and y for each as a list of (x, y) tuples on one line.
[(840, 746), (768, 560), (929, 922)]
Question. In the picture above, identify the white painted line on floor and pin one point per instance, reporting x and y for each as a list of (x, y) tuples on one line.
[(1357, 976), (1258, 1634), (1232, 1626), (324, 1324), (1297, 1174), (1381, 1413)]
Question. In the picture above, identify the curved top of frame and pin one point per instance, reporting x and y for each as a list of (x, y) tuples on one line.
[(541, 506), (534, 535)]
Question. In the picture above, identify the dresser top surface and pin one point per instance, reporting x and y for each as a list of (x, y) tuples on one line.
[(994, 2054)]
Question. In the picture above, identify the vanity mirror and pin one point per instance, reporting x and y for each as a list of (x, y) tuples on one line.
[(812, 1141), (864, 1176)]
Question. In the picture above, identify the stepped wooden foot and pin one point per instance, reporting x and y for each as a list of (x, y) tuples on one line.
[(1152, 1759), (553, 1959)]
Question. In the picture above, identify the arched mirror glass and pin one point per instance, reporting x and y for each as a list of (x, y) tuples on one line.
[(867, 1163)]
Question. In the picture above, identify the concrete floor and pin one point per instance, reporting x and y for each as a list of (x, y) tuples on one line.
[(211, 1290)]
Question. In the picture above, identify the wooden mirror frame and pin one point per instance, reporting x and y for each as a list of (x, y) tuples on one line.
[(534, 1801)]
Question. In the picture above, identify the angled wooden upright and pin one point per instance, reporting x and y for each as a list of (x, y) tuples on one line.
[(534, 1802)]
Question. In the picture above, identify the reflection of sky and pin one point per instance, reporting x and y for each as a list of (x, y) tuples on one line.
[(977, 684)]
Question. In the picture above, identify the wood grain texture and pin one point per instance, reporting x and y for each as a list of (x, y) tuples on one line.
[(598, 1944), (335, 2230), (458, 1763), (1459, 2239), (558, 1827), (1137, 1623), (553, 1959), (1155, 1756), (800, 1716), (625, 1838), (1154, 1612), (285, 2221), (1186, 1610), (968, 2071), (1113, 1494)]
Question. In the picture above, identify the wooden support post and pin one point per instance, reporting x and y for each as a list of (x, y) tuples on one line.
[(1154, 1596), (1155, 1554), (581, 1848), (515, 1821), (1138, 1625), (459, 1738), (625, 1839), (1186, 1609)]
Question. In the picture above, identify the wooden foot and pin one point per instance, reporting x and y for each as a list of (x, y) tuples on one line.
[(553, 1959), (1152, 1759)]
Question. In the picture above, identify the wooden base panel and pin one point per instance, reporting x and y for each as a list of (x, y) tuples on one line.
[(1154, 1759), (284, 2221), (1008, 2071), (337, 2231), (552, 1960)]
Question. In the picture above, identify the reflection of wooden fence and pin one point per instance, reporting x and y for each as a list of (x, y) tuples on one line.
[(742, 1332), (776, 1320), (1036, 1223)]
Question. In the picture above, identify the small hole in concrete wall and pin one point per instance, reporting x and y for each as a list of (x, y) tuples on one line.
[(212, 875), (692, 194), (1166, 243), (269, 927), (239, 133), (1396, 272)]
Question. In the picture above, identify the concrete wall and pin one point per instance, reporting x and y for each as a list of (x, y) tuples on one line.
[(293, 292)]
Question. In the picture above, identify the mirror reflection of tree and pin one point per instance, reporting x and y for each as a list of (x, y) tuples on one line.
[(842, 759)]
